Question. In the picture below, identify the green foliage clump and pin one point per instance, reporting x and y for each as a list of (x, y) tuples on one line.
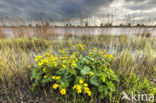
[(76, 71)]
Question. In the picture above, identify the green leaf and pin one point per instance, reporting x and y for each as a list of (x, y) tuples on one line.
[(102, 95), (86, 60), (64, 83), (103, 78), (85, 70), (111, 86), (45, 81), (94, 81), (100, 88)]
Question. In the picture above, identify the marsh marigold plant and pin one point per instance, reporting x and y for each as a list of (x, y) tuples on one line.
[(80, 71)]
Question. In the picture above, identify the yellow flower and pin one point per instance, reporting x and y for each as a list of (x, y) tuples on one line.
[(78, 87), (53, 77), (110, 56), (45, 60), (95, 50), (80, 81), (40, 63), (38, 57), (74, 53), (65, 49), (74, 64), (56, 58), (58, 77), (79, 90), (55, 64), (66, 57), (91, 73), (105, 55), (72, 56), (64, 66), (45, 76), (44, 69), (101, 52), (63, 91), (104, 50), (85, 84), (64, 61), (81, 46), (47, 54), (51, 56), (74, 86), (89, 93), (76, 60), (86, 89), (55, 86)]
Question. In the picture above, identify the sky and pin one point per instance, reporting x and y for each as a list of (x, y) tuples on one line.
[(72, 9)]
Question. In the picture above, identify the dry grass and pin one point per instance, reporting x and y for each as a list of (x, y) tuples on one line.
[(17, 60), (2, 34)]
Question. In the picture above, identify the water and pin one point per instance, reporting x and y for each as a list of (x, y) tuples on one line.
[(10, 32)]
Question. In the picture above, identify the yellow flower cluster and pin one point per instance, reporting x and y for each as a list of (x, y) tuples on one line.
[(69, 62), (74, 63), (63, 50), (47, 54), (78, 87), (81, 46), (89, 92), (72, 56), (56, 77), (102, 51), (109, 56), (47, 60), (55, 86), (85, 84), (80, 81), (64, 57), (81, 86), (95, 50), (38, 57)]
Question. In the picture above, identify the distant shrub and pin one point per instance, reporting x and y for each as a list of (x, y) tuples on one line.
[(144, 34), (148, 34)]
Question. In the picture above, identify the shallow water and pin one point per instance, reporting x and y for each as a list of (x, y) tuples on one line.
[(79, 31)]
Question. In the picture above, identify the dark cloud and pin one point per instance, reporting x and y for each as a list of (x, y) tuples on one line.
[(136, 1), (50, 8), (141, 4), (63, 9)]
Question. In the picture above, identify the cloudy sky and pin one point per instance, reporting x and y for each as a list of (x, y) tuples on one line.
[(61, 9)]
